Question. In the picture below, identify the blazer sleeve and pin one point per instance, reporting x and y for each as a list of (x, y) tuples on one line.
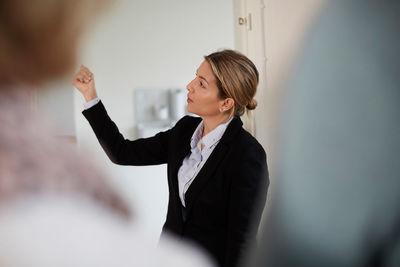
[(144, 151), (247, 199)]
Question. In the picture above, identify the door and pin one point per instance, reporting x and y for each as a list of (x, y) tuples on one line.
[(250, 40)]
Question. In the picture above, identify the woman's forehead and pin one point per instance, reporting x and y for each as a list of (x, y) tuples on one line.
[(206, 71)]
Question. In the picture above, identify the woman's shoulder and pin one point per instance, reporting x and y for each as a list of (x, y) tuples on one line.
[(184, 128), (187, 121), (249, 143)]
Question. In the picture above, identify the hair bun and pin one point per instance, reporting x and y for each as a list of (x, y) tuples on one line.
[(252, 104)]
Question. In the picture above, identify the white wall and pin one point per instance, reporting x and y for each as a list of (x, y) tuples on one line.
[(286, 24), (148, 43), (55, 99)]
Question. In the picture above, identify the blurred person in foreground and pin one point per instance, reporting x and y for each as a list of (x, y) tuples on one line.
[(337, 198), (55, 209)]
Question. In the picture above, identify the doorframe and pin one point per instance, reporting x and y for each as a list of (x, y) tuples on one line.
[(250, 39)]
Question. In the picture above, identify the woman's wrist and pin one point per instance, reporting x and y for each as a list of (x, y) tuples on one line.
[(90, 96)]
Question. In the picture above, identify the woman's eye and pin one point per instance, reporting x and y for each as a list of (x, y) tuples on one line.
[(202, 85)]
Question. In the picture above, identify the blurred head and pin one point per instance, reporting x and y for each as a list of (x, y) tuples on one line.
[(38, 38), (38, 42), (225, 83)]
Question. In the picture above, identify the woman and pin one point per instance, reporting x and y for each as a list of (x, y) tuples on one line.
[(217, 172)]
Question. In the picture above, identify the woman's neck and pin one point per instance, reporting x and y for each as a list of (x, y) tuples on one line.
[(210, 123)]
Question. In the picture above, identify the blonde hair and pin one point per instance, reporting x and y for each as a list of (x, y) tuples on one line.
[(237, 78), (38, 38)]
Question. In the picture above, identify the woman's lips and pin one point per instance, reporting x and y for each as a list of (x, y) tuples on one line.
[(189, 100)]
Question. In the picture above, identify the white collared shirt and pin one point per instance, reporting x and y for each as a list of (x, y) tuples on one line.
[(197, 157)]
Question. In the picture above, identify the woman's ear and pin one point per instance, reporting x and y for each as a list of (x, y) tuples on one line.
[(227, 104)]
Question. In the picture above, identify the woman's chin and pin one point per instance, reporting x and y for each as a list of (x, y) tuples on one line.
[(195, 111), (190, 109)]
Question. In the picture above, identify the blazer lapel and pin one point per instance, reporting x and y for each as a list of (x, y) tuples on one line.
[(176, 163), (212, 163)]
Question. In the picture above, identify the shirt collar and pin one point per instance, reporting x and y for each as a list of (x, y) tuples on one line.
[(211, 138), (196, 137)]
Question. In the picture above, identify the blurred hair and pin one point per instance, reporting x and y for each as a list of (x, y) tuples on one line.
[(38, 38), (237, 78)]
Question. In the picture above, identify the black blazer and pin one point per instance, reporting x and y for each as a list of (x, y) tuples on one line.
[(224, 202)]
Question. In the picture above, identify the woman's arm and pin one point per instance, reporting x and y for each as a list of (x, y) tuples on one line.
[(149, 151), (247, 198)]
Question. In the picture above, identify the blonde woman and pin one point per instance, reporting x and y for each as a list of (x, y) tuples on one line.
[(217, 172)]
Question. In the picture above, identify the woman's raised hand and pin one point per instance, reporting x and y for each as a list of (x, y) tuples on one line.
[(83, 80)]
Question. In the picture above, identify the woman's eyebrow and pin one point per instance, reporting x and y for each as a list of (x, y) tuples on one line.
[(201, 77)]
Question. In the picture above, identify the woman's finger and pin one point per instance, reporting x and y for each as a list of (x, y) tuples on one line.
[(80, 77), (85, 69), (88, 74), (85, 75)]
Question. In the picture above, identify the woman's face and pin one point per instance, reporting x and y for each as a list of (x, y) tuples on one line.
[(203, 97)]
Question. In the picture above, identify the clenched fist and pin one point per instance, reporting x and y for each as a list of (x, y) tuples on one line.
[(83, 80)]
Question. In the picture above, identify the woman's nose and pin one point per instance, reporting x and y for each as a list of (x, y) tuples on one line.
[(189, 87)]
